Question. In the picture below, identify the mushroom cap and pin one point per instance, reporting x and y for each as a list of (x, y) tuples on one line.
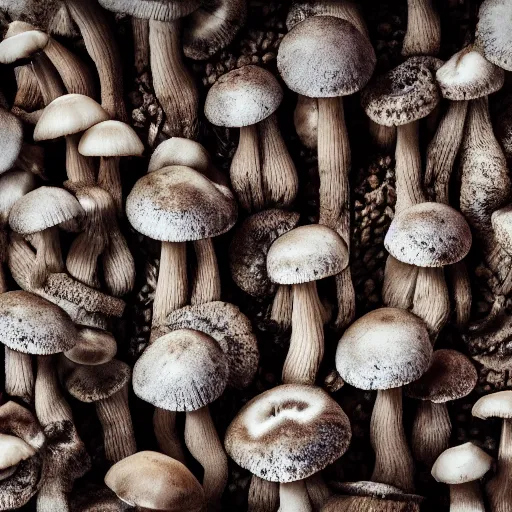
[(22, 46), (154, 481), (243, 97), (94, 347), (13, 450), (13, 186), (305, 254), (161, 10), (467, 75), (33, 325), (386, 348), (180, 151), (11, 139), (493, 32), (311, 63), (502, 225), (461, 464), (494, 405), (179, 204), (366, 503), (43, 208), (451, 376), (181, 371), (429, 235), (288, 433), (68, 114), (110, 138), (376, 490)]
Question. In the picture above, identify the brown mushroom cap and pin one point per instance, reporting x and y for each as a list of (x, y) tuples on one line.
[(494, 405), (22, 46), (180, 151), (11, 139), (161, 10), (94, 347), (502, 225)]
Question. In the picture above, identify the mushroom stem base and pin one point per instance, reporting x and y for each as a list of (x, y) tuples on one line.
[(164, 424), (19, 376), (206, 286), (293, 497), (263, 495), (466, 498)]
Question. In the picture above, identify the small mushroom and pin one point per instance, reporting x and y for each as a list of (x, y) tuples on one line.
[(423, 35), (94, 347), (180, 151)]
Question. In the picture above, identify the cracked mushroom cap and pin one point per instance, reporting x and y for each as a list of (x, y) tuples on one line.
[(180, 151), (161, 10), (13, 186), (311, 63), (11, 139), (67, 115), (154, 481), (181, 371), (179, 204), (461, 464), (467, 75), (110, 138), (386, 348), (502, 225), (494, 405), (451, 376), (94, 347), (429, 235), (305, 254), (243, 97), (288, 433), (22, 46)]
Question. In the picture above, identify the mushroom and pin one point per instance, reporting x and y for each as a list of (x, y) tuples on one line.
[(262, 171), (299, 258), (152, 481), (461, 467), (423, 35), (499, 405), (287, 434), (11, 139), (384, 350), (180, 151), (451, 376), (94, 347)]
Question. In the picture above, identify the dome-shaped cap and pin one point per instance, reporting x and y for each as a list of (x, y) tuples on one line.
[(22, 46), (110, 138), (11, 139), (68, 114), (386, 348), (161, 10), (13, 186), (154, 481), (288, 433), (305, 254), (181, 371), (502, 225), (180, 151), (494, 405), (311, 62), (428, 235), (94, 346), (178, 204), (242, 97), (33, 325), (451, 376)]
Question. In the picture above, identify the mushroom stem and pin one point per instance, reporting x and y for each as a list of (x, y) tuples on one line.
[(393, 460), (263, 495), (19, 376), (204, 445), (458, 278), (293, 497), (31, 159), (118, 264), (399, 283), (206, 285), (423, 36), (140, 30), (346, 297), (466, 497), (384, 137), (28, 94), (52, 497), (164, 424), (305, 118), (318, 491), (172, 82), (48, 256), (431, 432), (109, 179), (307, 339), (82, 260), (79, 168), (50, 84), (282, 307)]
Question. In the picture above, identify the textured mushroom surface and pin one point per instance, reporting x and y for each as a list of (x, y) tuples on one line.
[(179, 151), (14, 185), (502, 225), (11, 139), (22, 46), (376, 490), (494, 405), (161, 10)]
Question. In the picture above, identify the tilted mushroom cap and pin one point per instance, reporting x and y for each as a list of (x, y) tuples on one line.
[(250, 245), (110, 138), (94, 347), (467, 75), (178, 204), (68, 114), (376, 490), (181, 371), (429, 235), (502, 225), (306, 253), (154, 481), (451, 376), (161, 10), (461, 464), (243, 97), (13, 450), (311, 63), (288, 433), (33, 325), (22, 46), (494, 405), (386, 348), (180, 151), (13, 186), (11, 139)]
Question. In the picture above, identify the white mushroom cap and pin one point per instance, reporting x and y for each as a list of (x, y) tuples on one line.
[(13, 450), (180, 151), (494, 405), (11, 139), (161, 10), (13, 186), (22, 46)]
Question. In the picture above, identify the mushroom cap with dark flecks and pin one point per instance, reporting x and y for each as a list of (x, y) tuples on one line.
[(180, 151), (161, 10), (451, 376), (429, 235), (311, 63), (502, 226), (181, 371), (250, 245), (386, 348), (494, 405), (94, 347), (13, 186), (243, 97), (376, 490), (179, 204), (305, 254), (288, 433), (11, 139), (22, 46)]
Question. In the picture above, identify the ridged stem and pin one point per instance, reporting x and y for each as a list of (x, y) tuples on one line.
[(282, 307), (50, 84), (423, 36), (466, 497), (460, 285), (164, 424), (79, 168), (19, 375), (140, 30), (109, 179), (206, 286), (48, 257), (399, 283), (263, 495)]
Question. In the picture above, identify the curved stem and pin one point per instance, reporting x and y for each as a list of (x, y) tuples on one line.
[(423, 36), (109, 179), (164, 424), (79, 168), (118, 264), (140, 30), (28, 94), (19, 376), (206, 286), (50, 84), (82, 260), (263, 495), (459, 280), (282, 307), (399, 283), (293, 497), (346, 297), (466, 497), (318, 491), (48, 257)]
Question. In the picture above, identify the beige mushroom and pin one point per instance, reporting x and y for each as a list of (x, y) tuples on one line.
[(94, 347)]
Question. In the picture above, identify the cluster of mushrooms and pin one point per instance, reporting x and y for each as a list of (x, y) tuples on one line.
[(67, 268)]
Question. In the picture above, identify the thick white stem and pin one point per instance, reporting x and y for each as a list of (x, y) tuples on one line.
[(293, 497)]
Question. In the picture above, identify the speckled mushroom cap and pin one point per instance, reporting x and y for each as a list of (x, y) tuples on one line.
[(305, 254), (502, 225), (161, 10), (33, 325), (179, 151), (451, 376), (461, 464), (13, 186), (376, 490), (429, 235), (494, 405), (311, 63), (386, 348), (154, 481), (11, 139), (13, 450), (67, 115), (467, 75), (288, 433), (493, 32), (22, 46), (243, 97), (94, 347), (181, 371), (179, 204), (250, 245)]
